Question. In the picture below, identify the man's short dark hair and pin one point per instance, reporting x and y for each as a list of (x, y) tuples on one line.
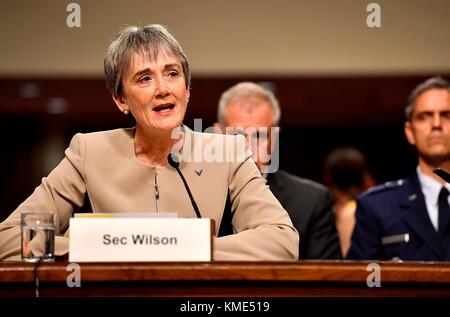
[(345, 168)]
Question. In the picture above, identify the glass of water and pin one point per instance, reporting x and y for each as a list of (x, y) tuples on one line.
[(38, 237)]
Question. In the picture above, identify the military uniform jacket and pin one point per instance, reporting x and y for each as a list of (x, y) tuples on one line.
[(392, 221)]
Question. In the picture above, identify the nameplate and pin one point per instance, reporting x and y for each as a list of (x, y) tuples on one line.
[(140, 239)]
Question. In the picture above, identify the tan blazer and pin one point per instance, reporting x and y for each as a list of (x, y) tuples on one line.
[(103, 165)]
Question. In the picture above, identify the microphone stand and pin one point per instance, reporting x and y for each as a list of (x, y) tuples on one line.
[(175, 164)]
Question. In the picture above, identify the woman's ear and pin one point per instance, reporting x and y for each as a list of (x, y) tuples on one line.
[(120, 102)]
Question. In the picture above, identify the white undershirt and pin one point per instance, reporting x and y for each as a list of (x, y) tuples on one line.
[(431, 188)]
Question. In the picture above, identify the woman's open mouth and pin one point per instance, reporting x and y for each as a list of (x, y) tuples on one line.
[(164, 109)]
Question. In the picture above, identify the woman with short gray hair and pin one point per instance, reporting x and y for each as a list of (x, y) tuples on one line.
[(133, 170)]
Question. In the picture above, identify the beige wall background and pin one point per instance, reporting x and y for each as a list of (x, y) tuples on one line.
[(231, 37)]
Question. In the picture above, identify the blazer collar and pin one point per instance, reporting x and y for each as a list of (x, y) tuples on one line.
[(415, 214)]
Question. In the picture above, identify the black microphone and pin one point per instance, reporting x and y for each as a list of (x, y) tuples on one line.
[(442, 174), (175, 164)]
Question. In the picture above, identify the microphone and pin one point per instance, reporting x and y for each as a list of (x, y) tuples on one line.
[(442, 174), (175, 164)]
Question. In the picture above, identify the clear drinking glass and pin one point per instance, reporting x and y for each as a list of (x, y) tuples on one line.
[(38, 237)]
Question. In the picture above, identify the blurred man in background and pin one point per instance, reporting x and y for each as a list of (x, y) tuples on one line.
[(253, 110), (347, 176)]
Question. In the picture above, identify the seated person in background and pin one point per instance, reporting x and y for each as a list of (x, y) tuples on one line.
[(253, 109), (347, 176), (127, 170), (408, 219)]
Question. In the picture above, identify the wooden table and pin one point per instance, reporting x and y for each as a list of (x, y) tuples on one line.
[(228, 279)]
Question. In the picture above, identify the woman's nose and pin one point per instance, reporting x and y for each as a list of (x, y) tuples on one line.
[(162, 89)]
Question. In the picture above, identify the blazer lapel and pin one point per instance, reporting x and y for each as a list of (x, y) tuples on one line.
[(415, 214)]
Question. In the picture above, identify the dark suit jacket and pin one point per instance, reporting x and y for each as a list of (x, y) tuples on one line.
[(397, 208), (309, 205)]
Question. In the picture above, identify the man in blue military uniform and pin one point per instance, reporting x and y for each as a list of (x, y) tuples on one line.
[(410, 219)]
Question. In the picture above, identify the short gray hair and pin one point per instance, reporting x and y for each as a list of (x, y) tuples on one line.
[(247, 89), (434, 82), (147, 40)]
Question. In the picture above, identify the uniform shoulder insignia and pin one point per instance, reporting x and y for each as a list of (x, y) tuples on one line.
[(386, 186)]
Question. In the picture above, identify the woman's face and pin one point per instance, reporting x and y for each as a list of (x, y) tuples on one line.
[(155, 92)]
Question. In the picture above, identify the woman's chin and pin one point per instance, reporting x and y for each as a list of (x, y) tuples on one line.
[(169, 126), (161, 125)]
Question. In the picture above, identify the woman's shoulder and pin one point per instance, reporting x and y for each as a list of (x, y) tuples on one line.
[(102, 141), (208, 137), (123, 133), (216, 147)]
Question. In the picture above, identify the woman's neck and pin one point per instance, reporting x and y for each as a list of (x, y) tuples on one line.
[(152, 148)]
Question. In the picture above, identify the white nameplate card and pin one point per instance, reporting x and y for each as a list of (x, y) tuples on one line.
[(140, 239)]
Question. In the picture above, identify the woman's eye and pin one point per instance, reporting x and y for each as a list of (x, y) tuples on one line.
[(144, 79), (173, 74)]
